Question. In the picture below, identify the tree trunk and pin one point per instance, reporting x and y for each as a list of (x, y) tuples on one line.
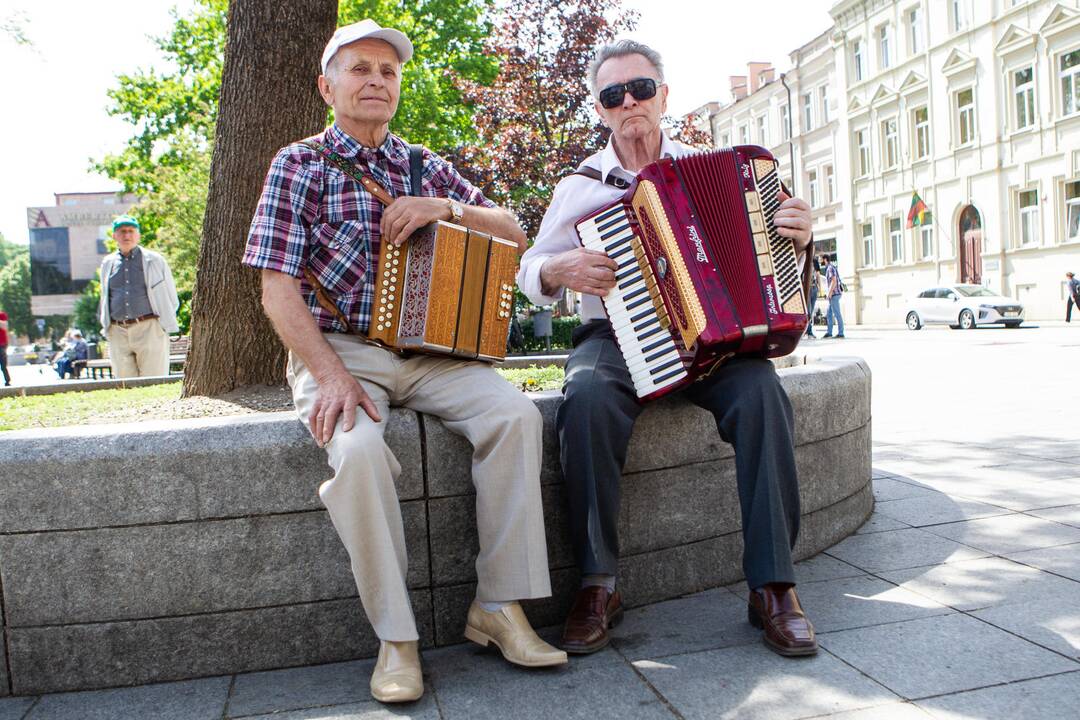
[(268, 99)]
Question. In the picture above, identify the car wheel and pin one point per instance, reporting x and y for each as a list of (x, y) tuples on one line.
[(967, 320), (913, 321), (1015, 324)]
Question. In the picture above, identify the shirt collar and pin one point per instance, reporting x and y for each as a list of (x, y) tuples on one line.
[(135, 253), (609, 159), (392, 148)]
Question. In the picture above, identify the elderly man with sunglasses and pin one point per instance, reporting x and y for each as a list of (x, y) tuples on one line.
[(599, 406)]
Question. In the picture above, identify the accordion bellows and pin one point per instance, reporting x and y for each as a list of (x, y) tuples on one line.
[(446, 290), (703, 273)]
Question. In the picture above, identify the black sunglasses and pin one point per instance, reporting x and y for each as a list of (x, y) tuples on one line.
[(639, 89)]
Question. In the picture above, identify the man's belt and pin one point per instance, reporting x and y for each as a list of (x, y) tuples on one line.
[(132, 321)]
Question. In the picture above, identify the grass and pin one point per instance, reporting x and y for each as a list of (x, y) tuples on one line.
[(75, 408), (133, 404)]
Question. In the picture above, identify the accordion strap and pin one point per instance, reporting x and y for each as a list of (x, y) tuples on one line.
[(322, 296), (594, 174)]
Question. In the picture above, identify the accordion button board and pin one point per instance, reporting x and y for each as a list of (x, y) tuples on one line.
[(447, 290)]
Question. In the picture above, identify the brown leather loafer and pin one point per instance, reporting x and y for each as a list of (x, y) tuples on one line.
[(594, 611), (776, 610)]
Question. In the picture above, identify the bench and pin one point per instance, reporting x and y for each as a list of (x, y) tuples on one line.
[(170, 550), (99, 366)]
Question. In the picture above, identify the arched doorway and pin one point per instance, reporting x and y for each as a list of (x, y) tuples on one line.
[(970, 235)]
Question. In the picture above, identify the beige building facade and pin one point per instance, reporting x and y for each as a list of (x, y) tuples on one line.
[(972, 104), (67, 244)]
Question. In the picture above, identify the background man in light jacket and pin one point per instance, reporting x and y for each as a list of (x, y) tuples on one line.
[(138, 304)]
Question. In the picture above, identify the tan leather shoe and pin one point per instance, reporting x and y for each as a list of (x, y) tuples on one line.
[(511, 632), (397, 677)]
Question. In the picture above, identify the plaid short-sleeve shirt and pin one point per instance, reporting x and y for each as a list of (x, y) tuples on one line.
[(311, 214)]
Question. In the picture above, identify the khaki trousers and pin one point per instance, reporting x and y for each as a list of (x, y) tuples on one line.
[(139, 350), (504, 428)]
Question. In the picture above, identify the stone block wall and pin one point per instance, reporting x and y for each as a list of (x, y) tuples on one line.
[(162, 551)]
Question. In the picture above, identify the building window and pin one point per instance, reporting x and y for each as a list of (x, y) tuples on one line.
[(896, 240), (763, 131), (868, 244), (1072, 210), (830, 185), (862, 144), (1070, 82), (744, 134), (956, 10), (890, 143), (857, 59), (808, 112), (815, 190), (915, 31), (920, 121), (1024, 94), (823, 95), (965, 116), (884, 57), (1029, 217), (785, 122), (926, 236), (725, 140)]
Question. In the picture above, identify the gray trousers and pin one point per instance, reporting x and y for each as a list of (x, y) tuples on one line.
[(752, 412)]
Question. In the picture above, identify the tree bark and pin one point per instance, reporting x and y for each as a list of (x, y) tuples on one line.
[(268, 99)]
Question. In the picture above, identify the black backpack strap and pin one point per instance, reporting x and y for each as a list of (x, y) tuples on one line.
[(416, 168), (594, 174)]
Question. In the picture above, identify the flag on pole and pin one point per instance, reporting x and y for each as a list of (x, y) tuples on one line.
[(917, 214)]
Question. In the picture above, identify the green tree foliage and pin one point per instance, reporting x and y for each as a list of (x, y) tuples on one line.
[(15, 287), (167, 159), (85, 314)]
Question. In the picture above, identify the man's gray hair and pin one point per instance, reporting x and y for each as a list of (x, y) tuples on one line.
[(621, 49)]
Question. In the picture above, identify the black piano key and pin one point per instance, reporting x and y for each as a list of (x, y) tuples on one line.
[(639, 302), (641, 315), (646, 335), (665, 366), (610, 212), (658, 343), (619, 253), (675, 373), (620, 230), (630, 296), (657, 355), (627, 263), (641, 327), (634, 272)]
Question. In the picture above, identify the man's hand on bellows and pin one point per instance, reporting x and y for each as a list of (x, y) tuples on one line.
[(792, 220), (586, 271), (338, 396), (406, 215)]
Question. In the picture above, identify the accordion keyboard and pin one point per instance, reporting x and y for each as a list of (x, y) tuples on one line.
[(634, 305), (784, 263)]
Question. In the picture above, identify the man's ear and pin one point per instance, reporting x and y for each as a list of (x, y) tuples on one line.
[(326, 90), (663, 98), (599, 111)]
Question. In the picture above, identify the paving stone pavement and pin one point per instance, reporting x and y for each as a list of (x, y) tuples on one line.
[(959, 599)]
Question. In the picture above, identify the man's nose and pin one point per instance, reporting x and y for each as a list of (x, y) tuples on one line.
[(628, 100)]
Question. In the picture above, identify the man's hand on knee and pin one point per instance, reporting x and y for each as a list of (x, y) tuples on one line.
[(339, 395)]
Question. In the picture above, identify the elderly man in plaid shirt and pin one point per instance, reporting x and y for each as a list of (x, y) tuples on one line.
[(315, 219)]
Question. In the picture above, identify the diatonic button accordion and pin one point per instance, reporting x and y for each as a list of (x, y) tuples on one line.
[(702, 272), (446, 290)]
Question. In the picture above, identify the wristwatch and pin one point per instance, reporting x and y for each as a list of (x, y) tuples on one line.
[(456, 210)]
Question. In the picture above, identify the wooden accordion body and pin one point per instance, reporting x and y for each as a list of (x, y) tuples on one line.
[(703, 274), (447, 290)]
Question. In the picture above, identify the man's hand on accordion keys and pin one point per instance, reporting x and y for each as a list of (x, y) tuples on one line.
[(793, 221), (585, 271), (406, 215)]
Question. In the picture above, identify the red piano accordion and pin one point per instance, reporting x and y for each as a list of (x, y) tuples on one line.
[(703, 275)]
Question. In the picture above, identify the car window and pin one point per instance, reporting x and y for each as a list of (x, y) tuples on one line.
[(926, 294), (973, 291), (941, 293)]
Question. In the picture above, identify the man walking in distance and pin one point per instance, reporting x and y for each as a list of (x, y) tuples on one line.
[(833, 292), (600, 407), (315, 218), (1072, 289), (138, 304), (3, 347)]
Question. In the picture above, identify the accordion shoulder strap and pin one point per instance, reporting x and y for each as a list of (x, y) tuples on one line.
[(351, 170), (416, 169), (594, 174)]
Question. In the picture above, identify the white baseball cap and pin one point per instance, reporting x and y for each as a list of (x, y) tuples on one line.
[(367, 29)]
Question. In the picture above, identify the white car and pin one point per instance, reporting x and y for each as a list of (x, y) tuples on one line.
[(963, 306)]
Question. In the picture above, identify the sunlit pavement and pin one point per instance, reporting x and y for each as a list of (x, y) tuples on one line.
[(960, 598)]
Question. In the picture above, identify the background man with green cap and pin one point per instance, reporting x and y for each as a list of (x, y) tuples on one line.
[(138, 304)]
